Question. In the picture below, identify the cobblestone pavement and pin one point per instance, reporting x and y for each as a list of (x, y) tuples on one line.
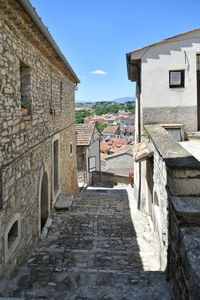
[(93, 252)]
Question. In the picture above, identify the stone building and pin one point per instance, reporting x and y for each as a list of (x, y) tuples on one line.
[(38, 141), (167, 177)]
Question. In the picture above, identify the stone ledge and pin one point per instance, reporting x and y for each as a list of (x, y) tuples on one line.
[(174, 155), (26, 118), (193, 135), (64, 202)]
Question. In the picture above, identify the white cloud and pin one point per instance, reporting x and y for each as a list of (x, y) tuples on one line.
[(99, 72)]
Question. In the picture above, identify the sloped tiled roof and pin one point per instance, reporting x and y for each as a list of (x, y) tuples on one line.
[(111, 129), (130, 128), (119, 141), (84, 134), (104, 146), (120, 151)]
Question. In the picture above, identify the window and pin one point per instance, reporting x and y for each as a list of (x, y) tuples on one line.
[(25, 89), (92, 163), (71, 148), (176, 78), (12, 235), (1, 189), (198, 62), (61, 94)]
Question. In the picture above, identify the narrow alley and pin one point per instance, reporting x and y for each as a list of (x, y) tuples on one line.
[(102, 249)]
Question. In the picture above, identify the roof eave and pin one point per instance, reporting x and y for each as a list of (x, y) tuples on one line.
[(132, 67), (28, 8), (139, 52)]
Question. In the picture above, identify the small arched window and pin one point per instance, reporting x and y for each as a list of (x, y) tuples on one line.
[(12, 235)]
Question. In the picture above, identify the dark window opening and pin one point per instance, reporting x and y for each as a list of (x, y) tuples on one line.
[(155, 200), (198, 62), (92, 163), (13, 235), (71, 149), (177, 78), (1, 190), (149, 175), (25, 89), (44, 200), (61, 93)]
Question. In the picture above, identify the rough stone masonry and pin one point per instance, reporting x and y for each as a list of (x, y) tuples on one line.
[(102, 249), (38, 147)]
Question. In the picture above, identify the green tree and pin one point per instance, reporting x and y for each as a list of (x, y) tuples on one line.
[(101, 127), (81, 115)]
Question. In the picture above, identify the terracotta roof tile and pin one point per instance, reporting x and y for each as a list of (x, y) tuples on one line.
[(111, 129), (130, 128), (104, 146), (119, 141), (122, 150), (84, 134)]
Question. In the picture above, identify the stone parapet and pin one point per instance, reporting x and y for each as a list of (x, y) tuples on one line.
[(183, 252), (178, 181)]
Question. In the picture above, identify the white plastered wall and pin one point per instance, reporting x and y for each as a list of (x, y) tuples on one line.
[(156, 62)]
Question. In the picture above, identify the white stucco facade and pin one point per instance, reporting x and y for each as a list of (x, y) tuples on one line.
[(159, 102)]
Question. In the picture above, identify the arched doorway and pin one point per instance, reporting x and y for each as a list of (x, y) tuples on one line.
[(44, 200)]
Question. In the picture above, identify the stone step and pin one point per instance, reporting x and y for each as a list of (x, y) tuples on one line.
[(64, 202), (187, 209)]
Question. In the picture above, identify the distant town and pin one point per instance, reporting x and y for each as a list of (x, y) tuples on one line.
[(115, 122)]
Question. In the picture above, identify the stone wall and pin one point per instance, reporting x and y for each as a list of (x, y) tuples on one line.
[(183, 253), (119, 161), (154, 198), (26, 148), (176, 211), (186, 115), (108, 178)]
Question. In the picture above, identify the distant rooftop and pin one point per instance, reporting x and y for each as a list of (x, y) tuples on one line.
[(84, 134), (111, 129)]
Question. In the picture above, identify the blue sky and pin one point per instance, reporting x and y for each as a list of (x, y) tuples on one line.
[(95, 35)]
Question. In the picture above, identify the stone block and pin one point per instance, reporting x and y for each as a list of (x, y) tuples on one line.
[(187, 209), (64, 202)]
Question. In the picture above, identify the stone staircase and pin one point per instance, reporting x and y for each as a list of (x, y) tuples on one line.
[(103, 248)]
